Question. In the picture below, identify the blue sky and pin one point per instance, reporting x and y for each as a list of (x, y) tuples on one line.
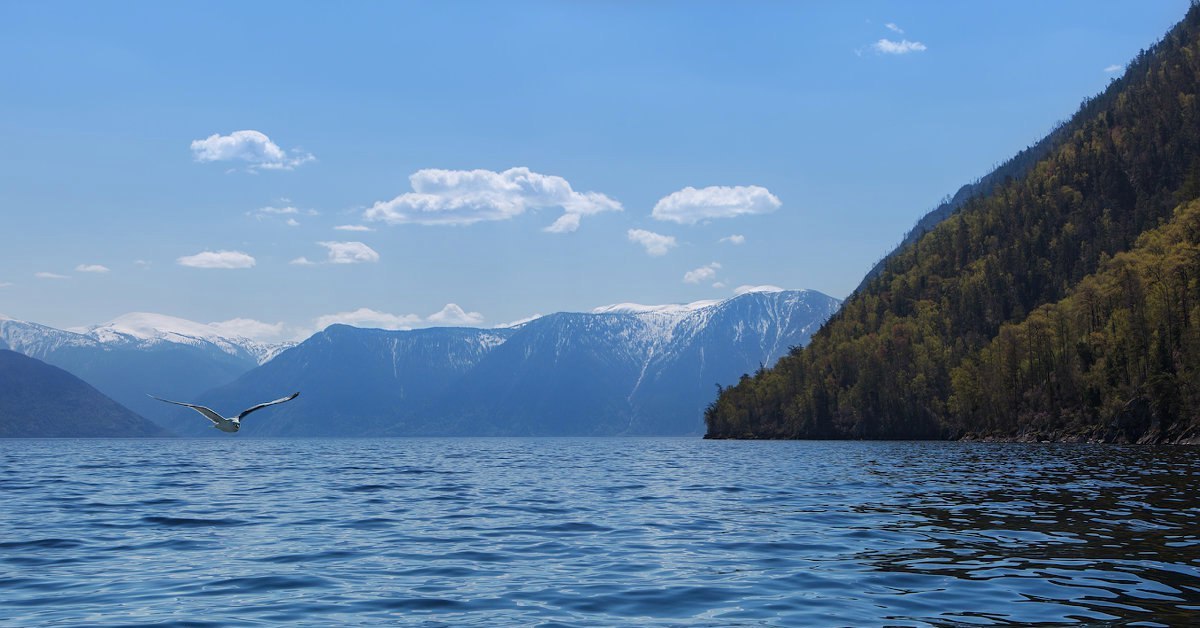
[(816, 132)]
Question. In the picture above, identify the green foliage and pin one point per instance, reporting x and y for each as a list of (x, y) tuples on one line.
[(932, 348)]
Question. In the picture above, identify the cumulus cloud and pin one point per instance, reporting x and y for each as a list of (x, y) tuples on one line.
[(464, 197), (366, 317), (892, 27), (1113, 68), (91, 268), (292, 222), (902, 47), (302, 261), (740, 290), (217, 259), (349, 252), (249, 146), (734, 239), (46, 275), (690, 205), (353, 228), (656, 244), (704, 273), (453, 315)]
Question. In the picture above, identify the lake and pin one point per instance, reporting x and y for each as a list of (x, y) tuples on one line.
[(595, 532)]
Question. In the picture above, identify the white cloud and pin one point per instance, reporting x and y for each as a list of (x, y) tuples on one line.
[(902, 47), (740, 290), (519, 321), (353, 228), (349, 252), (302, 261), (292, 222), (453, 315), (277, 210), (141, 263), (734, 239), (366, 317), (252, 147), (704, 273), (892, 27), (1114, 68), (46, 275), (6, 284), (217, 259), (690, 205), (91, 268), (656, 244), (719, 284), (464, 197)]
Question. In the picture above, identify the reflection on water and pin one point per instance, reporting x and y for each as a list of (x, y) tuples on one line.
[(596, 532)]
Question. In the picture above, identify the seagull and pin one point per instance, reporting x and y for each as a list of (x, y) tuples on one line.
[(222, 423)]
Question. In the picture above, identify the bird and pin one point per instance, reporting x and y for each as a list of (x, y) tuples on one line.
[(221, 423)]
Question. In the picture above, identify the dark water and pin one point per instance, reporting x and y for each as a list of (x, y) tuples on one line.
[(595, 532)]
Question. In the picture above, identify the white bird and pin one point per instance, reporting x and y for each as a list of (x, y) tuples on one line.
[(227, 425)]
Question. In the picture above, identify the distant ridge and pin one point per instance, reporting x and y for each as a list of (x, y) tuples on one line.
[(38, 400), (619, 370)]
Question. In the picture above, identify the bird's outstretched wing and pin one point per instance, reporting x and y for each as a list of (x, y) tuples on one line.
[(263, 405), (207, 412)]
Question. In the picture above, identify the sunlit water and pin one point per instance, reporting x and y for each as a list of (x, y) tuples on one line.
[(597, 532)]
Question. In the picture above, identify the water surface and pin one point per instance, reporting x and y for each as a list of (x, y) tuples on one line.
[(595, 532)]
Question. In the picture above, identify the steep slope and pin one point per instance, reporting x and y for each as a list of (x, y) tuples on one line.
[(624, 369), (882, 367), (140, 353), (40, 401)]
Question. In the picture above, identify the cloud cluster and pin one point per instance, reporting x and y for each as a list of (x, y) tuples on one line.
[(735, 239), (740, 290), (691, 205), (451, 315), (217, 259), (91, 268), (249, 146), (464, 197), (342, 253), (704, 273), (902, 47), (655, 244)]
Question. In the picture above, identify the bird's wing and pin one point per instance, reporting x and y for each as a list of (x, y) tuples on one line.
[(263, 405), (207, 412)]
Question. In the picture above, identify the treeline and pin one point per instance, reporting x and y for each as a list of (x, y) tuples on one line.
[(886, 366), (1118, 359)]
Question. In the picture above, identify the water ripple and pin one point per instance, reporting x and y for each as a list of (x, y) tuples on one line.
[(599, 532)]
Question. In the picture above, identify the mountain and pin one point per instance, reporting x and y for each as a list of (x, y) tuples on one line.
[(39, 401), (622, 369), (929, 348), (141, 353)]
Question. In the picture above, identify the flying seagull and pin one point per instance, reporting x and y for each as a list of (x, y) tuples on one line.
[(222, 423)]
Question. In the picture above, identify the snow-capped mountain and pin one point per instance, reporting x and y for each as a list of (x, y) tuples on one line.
[(141, 353), (620, 369)]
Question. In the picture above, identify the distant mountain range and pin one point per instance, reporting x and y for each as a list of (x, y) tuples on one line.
[(38, 401), (139, 353), (619, 370)]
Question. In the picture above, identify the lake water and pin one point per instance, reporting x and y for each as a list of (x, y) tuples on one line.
[(594, 532)]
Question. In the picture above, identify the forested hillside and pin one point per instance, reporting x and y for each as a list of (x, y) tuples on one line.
[(914, 353)]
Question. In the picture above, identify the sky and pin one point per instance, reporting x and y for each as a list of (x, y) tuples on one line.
[(276, 167)]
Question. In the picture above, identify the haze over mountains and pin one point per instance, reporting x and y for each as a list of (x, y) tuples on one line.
[(39, 400), (621, 369)]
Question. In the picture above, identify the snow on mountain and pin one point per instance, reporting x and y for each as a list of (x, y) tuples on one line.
[(149, 329)]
